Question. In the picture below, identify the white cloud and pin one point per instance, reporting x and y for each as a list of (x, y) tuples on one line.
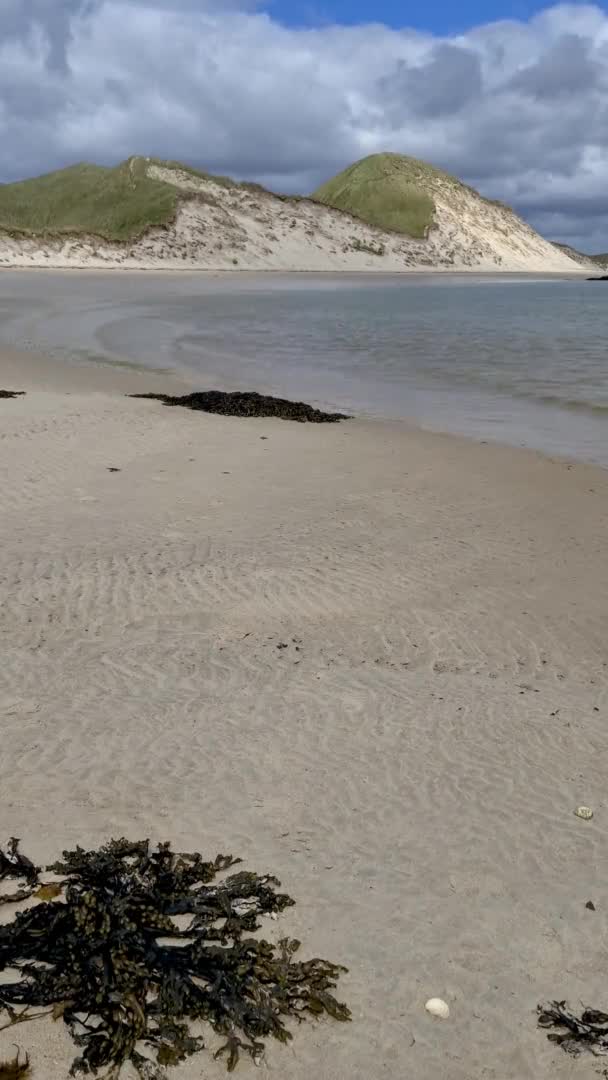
[(518, 109)]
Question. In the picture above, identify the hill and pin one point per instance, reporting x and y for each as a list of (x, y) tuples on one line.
[(398, 214), (118, 204), (387, 190), (581, 257)]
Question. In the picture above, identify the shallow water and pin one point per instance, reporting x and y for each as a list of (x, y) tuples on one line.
[(519, 360)]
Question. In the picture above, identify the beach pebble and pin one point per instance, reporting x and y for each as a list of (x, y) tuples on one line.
[(437, 1007), (584, 812)]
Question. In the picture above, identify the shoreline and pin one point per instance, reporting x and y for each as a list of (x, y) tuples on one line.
[(65, 375), (253, 332), (245, 272), (367, 658)]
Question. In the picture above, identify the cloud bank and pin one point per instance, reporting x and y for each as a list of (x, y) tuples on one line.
[(519, 110)]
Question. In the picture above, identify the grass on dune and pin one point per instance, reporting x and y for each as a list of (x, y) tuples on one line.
[(221, 181), (386, 190), (116, 204)]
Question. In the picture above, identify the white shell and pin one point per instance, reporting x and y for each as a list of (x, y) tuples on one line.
[(584, 812), (437, 1007)]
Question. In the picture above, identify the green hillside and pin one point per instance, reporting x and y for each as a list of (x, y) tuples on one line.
[(387, 190), (117, 204)]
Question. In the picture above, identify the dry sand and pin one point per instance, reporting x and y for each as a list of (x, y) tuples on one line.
[(408, 766)]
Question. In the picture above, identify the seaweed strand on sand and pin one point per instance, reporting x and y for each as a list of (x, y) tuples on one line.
[(242, 403), (16, 1069), (17, 866), (104, 953), (573, 1033)]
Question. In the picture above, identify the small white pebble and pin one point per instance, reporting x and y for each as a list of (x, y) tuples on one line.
[(437, 1007), (584, 812)]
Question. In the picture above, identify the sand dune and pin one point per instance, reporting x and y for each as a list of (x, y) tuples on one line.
[(408, 765), (233, 228)]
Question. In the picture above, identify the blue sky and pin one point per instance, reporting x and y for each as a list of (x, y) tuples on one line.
[(438, 16)]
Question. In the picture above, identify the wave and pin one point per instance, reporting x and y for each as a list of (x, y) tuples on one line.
[(595, 408), (575, 405), (535, 393)]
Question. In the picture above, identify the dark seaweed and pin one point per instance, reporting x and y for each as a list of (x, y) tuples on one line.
[(248, 404), (109, 959), (575, 1033), (15, 865), (15, 1069), (11, 393)]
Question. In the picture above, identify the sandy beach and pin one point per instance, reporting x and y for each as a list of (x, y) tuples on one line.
[(408, 765)]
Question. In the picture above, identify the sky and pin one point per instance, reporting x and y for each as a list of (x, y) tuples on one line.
[(440, 17), (510, 95)]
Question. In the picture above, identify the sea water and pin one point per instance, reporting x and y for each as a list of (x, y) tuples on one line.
[(519, 360)]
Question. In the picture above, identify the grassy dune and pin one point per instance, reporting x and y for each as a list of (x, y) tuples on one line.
[(386, 190), (120, 204), (117, 204)]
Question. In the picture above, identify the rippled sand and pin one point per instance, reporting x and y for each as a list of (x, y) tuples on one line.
[(408, 765)]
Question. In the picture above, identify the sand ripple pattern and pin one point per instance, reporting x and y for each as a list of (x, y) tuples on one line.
[(367, 660)]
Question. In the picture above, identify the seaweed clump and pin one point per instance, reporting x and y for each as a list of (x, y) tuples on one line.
[(575, 1033), (243, 403), (102, 951), (15, 1069)]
